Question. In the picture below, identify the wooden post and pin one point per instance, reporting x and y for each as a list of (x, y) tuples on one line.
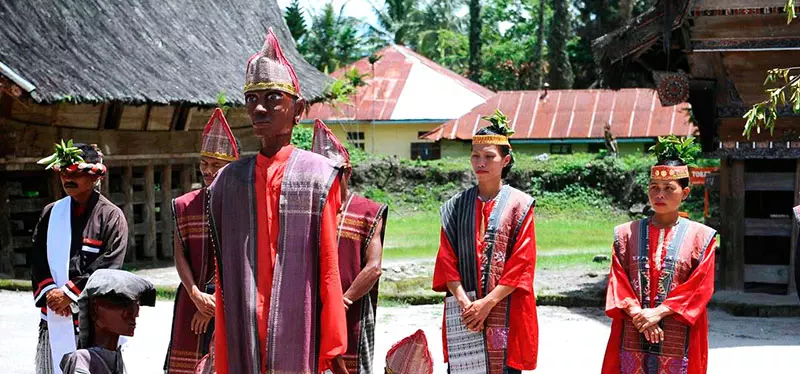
[(194, 168), (56, 190), (166, 211), (127, 208), (732, 225), (104, 185), (792, 251), (150, 213), (6, 242), (186, 177)]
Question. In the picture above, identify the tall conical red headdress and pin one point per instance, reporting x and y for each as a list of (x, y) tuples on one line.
[(218, 139), (270, 70), (326, 144), (410, 356)]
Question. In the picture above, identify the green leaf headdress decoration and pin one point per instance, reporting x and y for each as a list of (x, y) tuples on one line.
[(676, 148), (499, 123), (65, 155)]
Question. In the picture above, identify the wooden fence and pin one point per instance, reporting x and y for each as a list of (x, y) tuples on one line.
[(142, 188)]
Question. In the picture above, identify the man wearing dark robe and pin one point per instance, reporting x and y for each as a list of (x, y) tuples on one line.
[(75, 236)]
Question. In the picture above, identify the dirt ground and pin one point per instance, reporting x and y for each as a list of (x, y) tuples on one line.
[(572, 340)]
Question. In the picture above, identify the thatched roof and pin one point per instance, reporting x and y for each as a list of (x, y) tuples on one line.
[(158, 51)]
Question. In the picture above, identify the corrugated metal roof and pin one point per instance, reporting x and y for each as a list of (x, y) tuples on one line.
[(406, 86), (566, 114)]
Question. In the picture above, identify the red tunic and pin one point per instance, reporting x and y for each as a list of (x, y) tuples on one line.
[(333, 337), (523, 328), (688, 300)]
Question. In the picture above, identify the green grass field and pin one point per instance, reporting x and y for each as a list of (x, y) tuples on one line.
[(415, 235)]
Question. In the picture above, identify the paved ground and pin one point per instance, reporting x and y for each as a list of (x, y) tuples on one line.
[(571, 340)]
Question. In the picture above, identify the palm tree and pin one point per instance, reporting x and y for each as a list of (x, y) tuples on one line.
[(333, 39), (398, 21)]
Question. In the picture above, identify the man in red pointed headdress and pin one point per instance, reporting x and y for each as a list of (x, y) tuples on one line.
[(194, 258), (273, 224), (362, 224)]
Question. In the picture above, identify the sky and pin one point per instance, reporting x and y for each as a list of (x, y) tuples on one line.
[(360, 9)]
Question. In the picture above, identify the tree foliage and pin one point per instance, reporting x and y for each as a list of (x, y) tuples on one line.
[(560, 75), (442, 35), (517, 41), (474, 39), (294, 19), (342, 90), (334, 40), (302, 137), (765, 113), (398, 21)]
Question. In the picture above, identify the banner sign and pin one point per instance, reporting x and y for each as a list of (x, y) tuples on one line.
[(697, 176)]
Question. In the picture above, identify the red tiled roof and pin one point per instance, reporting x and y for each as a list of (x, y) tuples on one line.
[(378, 99), (569, 114)]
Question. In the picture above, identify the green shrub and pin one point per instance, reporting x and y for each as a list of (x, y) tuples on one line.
[(573, 198), (378, 195), (563, 183), (302, 136)]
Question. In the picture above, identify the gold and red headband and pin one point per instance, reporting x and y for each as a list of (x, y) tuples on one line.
[(84, 167), (491, 140), (669, 173)]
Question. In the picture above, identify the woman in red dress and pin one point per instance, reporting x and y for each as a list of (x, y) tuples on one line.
[(486, 260), (662, 277)]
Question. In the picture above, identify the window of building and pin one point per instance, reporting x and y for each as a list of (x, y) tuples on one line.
[(356, 139), (560, 149), (426, 151), (596, 147)]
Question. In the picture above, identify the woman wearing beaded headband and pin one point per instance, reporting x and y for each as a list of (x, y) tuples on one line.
[(662, 277), (486, 263)]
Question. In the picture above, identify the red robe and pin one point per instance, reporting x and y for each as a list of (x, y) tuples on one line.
[(333, 339), (688, 300), (523, 329)]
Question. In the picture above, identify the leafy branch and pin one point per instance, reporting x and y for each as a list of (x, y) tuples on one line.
[(765, 113), (65, 155), (789, 9), (222, 101), (676, 148), (341, 90), (499, 123)]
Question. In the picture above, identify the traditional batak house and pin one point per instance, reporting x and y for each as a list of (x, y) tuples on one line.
[(715, 55), (138, 78)]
